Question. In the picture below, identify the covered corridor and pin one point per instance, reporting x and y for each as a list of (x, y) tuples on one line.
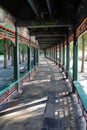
[(45, 103), (43, 64)]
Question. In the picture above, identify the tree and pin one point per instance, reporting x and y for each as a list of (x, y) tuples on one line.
[(82, 49), (83, 53), (19, 53), (12, 54), (23, 51), (5, 54), (9, 48)]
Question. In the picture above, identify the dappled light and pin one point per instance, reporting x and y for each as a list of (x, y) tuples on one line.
[(25, 110), (44, 103), (43, 65), (40, 81)]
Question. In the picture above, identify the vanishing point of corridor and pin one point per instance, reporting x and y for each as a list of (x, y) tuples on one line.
[(45, 103)]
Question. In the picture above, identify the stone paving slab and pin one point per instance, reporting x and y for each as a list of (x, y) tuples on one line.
[(44, 104)]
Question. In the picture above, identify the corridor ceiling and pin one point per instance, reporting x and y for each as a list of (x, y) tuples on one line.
[(49, 20)]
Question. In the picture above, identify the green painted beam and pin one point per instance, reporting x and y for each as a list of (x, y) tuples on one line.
[(49, 39), (60, 54), (67, 56), (29, 62), (56, 53), (44, 53), (47, 26), (63, 54), (16, 58), (75, 58), (49, 42), (48, 34), (44, 23), (37, 55)]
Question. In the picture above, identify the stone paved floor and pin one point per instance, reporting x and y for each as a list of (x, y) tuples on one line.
[(44, 104)]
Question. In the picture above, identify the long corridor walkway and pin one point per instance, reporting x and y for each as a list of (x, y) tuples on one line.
[(45, 103)]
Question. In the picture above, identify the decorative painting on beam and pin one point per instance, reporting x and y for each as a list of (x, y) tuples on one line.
[(7, 28), (82, 28), (34, 44), (7, 33), (6, 19), (23, 39), (23, 35), (33, 41), (71, 38)]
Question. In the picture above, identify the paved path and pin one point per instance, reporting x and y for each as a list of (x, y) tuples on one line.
[(44, 104)]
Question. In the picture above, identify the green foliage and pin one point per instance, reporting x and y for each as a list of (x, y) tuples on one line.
[(80, 41), (71, 47), (85, 36), (8, 42), (2, 45), (23, 47)]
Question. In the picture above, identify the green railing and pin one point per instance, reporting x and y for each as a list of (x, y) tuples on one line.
[(81, 93), (11, 84), (8, 86)]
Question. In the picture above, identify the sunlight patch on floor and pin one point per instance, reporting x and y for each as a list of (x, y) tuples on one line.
[(26, 113), (37, 82), (26, 104), (23, 111)]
